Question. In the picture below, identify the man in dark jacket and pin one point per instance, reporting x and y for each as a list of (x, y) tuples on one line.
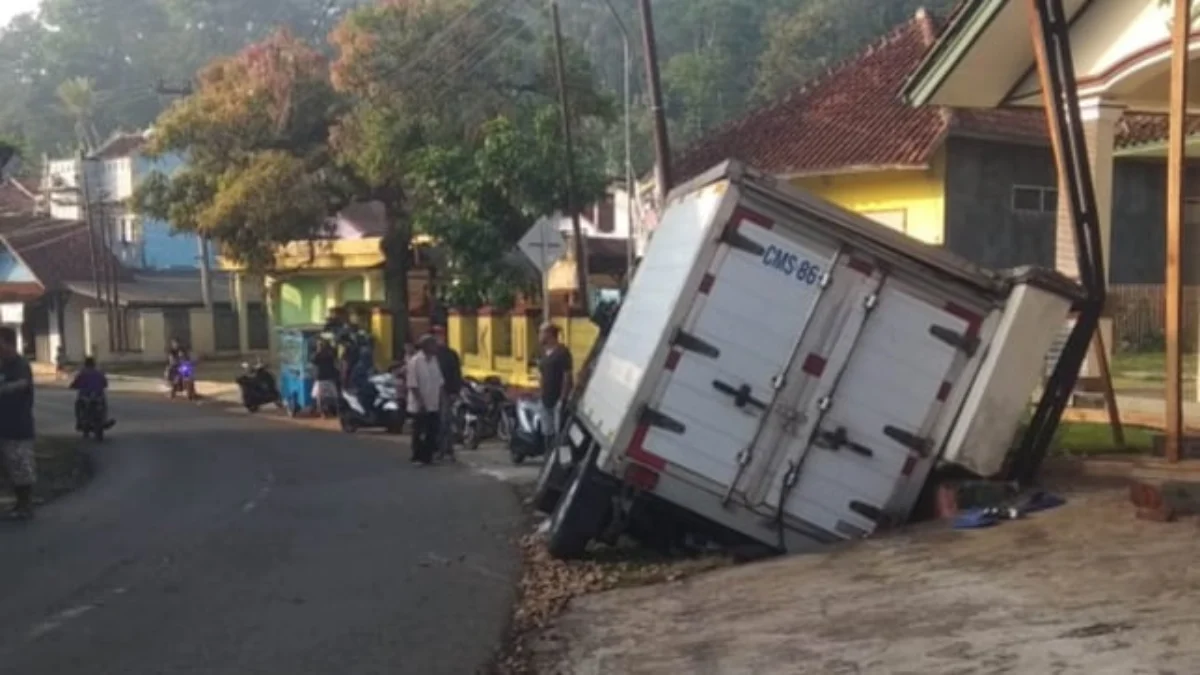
[(451, 367)]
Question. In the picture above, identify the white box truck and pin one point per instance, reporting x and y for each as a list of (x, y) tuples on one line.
[(787, 372)]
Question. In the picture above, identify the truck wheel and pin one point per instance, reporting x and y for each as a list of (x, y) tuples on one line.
[(549, 484), (580, 513)]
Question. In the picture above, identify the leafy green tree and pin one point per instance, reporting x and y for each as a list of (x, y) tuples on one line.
[(255, 136)]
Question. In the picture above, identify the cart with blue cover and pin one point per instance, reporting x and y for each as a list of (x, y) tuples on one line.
[(296, 347)]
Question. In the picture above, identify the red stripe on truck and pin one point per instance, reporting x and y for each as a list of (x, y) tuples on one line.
[(637, 451), (944, 391), (706, 284), (742, 213), (861, 266), (814, 365), (974, 321), (910, 463), (673, 360)]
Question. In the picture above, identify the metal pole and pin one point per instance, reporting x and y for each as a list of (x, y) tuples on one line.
[(83, 195), (581, 262), (205, 273), (628, 142), (110, 277), (662, 148), (545, 272), (1176, 166)]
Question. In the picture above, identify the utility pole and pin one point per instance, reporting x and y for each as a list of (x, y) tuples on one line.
[(662, 148), (205, 275), (116, 316), (629, 183), (581, 261), (1176, 170), (99, 270)]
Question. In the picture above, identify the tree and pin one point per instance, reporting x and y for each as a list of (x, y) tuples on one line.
[(478, 200), (78, 98), (255, 136)]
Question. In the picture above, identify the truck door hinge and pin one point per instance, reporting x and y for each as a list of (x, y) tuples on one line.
[(735, 239), (870, 301), (654, 418), (778, 381), (838, 439), (966, 343), (689, 342), (826, 279), (908, 439)]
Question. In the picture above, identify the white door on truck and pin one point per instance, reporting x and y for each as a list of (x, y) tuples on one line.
[(863, 434), (730, 354)]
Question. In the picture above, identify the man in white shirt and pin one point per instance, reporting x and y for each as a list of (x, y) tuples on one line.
[(424, 380)]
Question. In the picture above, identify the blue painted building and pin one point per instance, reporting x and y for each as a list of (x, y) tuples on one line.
[(114, 171)]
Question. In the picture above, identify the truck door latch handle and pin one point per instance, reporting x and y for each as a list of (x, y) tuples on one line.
[(741, 395), (837, 439)]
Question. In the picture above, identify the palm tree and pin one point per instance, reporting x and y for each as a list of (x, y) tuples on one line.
[(78, 98)]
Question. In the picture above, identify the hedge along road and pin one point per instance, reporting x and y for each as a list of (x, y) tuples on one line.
[(210, 543)]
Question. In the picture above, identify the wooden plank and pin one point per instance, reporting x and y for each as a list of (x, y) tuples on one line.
[(1176, 166)]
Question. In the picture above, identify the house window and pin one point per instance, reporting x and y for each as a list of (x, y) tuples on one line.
[(897, 219), (128, 230), (1034, 199)]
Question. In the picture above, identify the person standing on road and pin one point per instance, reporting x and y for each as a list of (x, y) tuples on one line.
[(556, 372), (451, 367), (425, 384), (16, 423)]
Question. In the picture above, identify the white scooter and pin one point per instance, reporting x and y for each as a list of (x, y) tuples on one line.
[(386, 410)]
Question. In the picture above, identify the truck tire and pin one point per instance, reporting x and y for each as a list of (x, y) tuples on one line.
[(550, 484), (580, 513)]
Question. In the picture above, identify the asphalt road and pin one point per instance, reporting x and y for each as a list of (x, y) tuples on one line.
[(224, 544)]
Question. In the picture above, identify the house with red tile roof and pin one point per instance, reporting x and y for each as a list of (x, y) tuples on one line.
[(980, 182)]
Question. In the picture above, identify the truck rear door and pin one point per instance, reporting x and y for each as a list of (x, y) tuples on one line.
[(860, 436), (729, 355)]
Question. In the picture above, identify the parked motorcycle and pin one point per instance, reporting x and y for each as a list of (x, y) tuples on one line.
[(526, 439), (183, 381), (258, 387), (385, 411), (482, 411), (92, 416)]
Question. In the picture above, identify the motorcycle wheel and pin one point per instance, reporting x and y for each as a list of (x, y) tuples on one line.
[(470, 437), (251, 408)]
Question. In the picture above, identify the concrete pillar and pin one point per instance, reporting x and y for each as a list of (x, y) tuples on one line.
[(95, 333), (154, 334), (241, 306), (333, 292), (1100, 119), (204, 336)]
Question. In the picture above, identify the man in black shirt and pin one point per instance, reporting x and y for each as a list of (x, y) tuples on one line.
[(16, 423), (556, 372), (452, 382)]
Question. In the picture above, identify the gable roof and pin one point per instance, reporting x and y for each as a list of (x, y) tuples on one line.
[(55, 251), (853, 119), (120, 144), (17, 197)]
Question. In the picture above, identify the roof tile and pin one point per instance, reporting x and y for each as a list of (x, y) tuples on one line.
[(56, 251)]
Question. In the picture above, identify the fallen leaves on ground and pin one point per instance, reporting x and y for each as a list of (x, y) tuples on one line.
[(547, 585)]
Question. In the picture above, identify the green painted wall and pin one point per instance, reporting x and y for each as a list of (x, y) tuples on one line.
[(352, 290), (302, 301)]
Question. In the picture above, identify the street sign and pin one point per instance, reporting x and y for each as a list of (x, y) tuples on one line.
[(543, 244)]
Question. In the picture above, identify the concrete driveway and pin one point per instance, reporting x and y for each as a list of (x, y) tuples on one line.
[(211, 543)]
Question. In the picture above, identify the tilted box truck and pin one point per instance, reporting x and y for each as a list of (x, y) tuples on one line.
[(787, 372)]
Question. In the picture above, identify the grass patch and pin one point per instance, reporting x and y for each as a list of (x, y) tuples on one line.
[(1148, 366), (1095, 439)]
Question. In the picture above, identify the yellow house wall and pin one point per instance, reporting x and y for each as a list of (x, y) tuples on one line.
[(516, 370), (921, 194)]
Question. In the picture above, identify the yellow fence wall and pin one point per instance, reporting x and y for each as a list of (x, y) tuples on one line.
[(476, 337)]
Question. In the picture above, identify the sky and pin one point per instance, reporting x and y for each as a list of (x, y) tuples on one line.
[(11, 8)]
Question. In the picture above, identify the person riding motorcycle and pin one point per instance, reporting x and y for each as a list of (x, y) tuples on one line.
[(176, 355), (90, 381)]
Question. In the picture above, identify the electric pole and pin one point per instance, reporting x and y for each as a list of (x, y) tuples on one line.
[(581, 261), (662, 148), (99, 267)]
